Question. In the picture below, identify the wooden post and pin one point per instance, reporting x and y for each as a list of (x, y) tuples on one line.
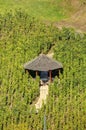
[(50, 75), (36, 73), (59, 72), (26, 71), (44, 122)]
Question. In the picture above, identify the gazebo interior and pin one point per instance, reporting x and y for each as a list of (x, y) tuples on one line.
[(45, 75)]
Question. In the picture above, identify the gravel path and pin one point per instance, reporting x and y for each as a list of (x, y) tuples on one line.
[(43, 96)]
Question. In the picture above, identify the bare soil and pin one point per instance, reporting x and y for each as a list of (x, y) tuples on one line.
[(77, 20)]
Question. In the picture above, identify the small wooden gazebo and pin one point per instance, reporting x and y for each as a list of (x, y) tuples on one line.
[(43, 66)]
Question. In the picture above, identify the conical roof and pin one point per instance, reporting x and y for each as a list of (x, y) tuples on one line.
[(43, 63)]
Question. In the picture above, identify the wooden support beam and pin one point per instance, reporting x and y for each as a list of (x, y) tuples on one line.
[(59, 72), (50, 75), (36, 73), (26, 71)]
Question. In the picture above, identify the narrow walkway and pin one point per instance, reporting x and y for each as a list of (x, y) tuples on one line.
[(43, 91), (43, 96)]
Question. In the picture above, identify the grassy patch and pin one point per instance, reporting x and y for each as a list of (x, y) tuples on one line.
[(41, 9)]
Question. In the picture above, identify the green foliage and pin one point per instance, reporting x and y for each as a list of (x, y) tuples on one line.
[(21, 39), (41, 9), (66, 102)]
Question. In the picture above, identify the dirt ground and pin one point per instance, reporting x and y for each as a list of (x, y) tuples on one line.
[(42, 97), (77, 20)]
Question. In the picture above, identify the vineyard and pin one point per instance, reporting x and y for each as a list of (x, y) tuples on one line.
[(22, 38)]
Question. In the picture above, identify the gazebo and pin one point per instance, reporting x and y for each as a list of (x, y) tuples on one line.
[(43, 66)]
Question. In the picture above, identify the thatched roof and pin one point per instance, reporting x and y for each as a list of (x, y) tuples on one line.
[(42, 63)]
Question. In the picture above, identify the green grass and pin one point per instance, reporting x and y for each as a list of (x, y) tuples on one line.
[(41, 9)]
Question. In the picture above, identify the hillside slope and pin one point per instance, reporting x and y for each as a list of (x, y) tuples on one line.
[(77, 18), (22, 38)]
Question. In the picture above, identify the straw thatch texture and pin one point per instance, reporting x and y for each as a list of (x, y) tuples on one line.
[(43, 63)]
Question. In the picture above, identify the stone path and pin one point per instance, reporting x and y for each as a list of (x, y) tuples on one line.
[(43, 91), (42, 97)]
